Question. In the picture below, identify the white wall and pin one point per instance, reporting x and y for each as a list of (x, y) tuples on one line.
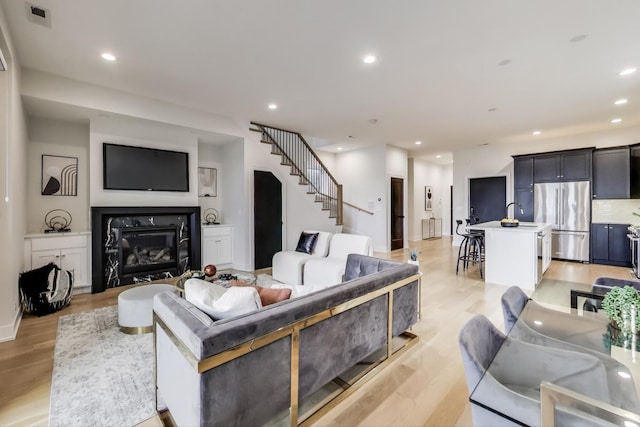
[(363, 175), (423, 173), (13, 189), (140, 133), (58, 138), (211, 156), (75, 94)]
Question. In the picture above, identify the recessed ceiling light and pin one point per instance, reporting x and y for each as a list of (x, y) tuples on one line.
[(339, 148), (492, 109), (537, 322), (616, 120), (373, 121), (418, 142), (624, 374), (504, 62), (438, 156), (108, 56), (369, 59), (272, 106), (627, 71), (351, 137), (536, 132), (621, 101)]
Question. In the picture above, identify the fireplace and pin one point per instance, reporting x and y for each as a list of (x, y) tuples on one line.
[(148, 250), (138, 244)]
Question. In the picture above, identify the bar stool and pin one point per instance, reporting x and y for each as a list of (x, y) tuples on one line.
[(471, 248)]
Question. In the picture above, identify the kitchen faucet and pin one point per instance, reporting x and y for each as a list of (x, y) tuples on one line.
[(513, 203)]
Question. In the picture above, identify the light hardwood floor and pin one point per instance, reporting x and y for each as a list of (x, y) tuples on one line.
[(426, 387)]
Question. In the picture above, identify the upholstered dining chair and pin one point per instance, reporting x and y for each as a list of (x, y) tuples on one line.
[(581, 331), (507, 394), (622, 391)]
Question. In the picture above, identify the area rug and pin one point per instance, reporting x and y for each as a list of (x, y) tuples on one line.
[(101, 377)]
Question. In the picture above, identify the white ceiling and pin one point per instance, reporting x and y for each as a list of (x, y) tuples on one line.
[(437, 76)]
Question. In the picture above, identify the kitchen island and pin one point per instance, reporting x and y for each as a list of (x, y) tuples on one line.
[(515, 255)]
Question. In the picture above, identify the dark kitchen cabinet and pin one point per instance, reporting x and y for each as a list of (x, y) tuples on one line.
[(610, 245), (611, 173), (572, 165), (523, 187), (524, 196), (523, 172)]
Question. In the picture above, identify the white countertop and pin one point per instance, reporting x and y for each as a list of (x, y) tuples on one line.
[(526, 227), (57, 234)]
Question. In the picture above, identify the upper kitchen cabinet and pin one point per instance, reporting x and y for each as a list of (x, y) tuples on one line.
[(611, 173), (523, 171), (523, 186), (574, 165)]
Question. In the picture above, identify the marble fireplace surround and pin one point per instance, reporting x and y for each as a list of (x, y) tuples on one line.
[(104, 220)]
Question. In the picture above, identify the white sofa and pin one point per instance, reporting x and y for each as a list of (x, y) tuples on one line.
[(330, 270), (288, 265)]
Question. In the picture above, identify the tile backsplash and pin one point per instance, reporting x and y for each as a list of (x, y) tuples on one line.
[(618, 211)]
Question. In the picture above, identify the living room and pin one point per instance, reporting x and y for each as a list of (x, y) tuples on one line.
[(51, 114)]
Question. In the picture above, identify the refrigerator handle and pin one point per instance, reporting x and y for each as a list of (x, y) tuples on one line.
[(560, 207), (556, 220)]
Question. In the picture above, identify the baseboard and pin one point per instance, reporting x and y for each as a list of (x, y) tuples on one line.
[(9, 332), (81, 290)]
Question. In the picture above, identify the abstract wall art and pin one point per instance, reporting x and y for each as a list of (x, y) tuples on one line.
[(428, 198), (59, 176), (207, 182)]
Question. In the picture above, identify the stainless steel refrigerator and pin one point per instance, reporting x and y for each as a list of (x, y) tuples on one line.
[(566, 205)]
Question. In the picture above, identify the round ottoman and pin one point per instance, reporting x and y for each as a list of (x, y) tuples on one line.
[(135, 308)]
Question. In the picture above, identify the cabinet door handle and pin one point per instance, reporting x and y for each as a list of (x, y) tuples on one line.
[(57, 256), (64, 255)]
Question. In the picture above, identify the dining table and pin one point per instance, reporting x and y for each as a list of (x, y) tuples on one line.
[(609, 394)]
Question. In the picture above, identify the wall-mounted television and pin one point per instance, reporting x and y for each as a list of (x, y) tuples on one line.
[(147, 169)]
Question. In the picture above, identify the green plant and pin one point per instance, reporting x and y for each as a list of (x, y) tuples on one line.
[(618, 304)]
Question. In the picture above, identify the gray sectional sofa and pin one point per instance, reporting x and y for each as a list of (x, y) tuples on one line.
[(246, 370)]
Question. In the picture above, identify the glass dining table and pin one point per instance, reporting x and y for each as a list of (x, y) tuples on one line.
[(554, 364)]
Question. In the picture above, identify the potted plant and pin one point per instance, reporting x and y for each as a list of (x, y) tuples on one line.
[(622, 304)]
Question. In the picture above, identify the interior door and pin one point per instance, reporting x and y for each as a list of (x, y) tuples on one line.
[(267, 218), (397, 213), (488, 198)]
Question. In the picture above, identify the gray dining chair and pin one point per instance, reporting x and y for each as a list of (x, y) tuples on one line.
[(510, 391), (576, 331)]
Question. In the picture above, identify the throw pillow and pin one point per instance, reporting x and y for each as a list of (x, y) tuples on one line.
[(267, 295), (220, 302), (45, 290), (307, 242)]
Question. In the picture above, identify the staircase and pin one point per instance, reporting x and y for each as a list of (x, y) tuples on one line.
[(295, 153)]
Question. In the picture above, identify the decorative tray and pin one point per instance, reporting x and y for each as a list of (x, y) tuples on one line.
[(509, 224)]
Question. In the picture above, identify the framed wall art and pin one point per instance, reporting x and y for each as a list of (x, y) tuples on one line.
[(207, 182), (428, 198), (59, 176)]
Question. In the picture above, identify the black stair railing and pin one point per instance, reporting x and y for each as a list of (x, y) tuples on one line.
[(303, 162)]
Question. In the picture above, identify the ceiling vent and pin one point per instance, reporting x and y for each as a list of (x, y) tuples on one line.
[(38, 15)]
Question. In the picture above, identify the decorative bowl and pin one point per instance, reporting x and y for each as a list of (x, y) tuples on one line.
[(509, 224)]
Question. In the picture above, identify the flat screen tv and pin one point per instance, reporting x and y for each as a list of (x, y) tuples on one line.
[(146, 169)]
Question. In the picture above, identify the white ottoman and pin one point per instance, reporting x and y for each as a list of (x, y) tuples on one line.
[(135, 308)]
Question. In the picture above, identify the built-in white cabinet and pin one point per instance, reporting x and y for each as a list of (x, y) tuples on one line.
[(217, 245), (69, 251)]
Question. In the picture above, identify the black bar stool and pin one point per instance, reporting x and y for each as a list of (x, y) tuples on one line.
[(471, 248)]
